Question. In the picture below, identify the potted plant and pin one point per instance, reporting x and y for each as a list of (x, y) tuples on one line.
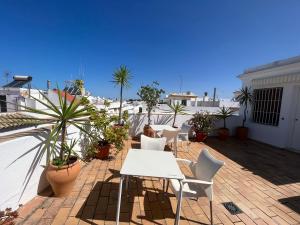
[(121, 78), (177, 109), (245, 99), (63, 167), (150, 94), (223, 114), (104, 133), (202, 125)]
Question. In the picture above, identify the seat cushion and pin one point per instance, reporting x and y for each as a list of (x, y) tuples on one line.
[(190, 190)]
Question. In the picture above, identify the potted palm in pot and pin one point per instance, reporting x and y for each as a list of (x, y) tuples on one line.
[(121, 78), (202, 125), (245, 99), (150, 94), (177, 109), (63, 167), (223, 114)]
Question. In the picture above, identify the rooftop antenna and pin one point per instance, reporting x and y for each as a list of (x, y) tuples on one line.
[(180, 83), (6, 76)]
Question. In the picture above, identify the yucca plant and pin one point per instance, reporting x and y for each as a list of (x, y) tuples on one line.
[(60, 117), (245, 98), (177, 109), (223, 114), (121, 78)]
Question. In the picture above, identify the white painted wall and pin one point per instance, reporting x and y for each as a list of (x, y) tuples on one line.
[(288, 77), (14, 175), (138, 122)]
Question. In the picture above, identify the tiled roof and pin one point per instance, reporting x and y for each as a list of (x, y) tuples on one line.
[(10, 121)]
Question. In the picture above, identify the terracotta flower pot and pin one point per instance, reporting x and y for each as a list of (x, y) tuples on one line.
[(103, 151), (148, 131), (242, 133), (201, 136), (62, 178), (223, 133)]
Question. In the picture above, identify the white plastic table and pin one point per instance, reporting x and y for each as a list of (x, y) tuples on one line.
[(150, 163)]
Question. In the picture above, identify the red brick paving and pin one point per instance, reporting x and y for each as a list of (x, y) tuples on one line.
[(263, 181)]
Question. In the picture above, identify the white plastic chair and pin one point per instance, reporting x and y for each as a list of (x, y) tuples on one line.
[(201, 184), (171, 138), (183, 135), (153, 143)]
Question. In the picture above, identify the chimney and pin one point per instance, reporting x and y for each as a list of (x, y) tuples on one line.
[(214, 98), (48, 84)]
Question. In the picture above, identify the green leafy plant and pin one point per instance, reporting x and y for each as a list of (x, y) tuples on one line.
[(121, 78), (177, 109), (245, 98), (223, 114), (104, 131), (150, 94), (202, 122), (60, 117)]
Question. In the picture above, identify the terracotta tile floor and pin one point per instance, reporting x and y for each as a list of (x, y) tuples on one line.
[(264, 182)]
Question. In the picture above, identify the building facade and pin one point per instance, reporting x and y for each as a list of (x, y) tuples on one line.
[(274, 116)]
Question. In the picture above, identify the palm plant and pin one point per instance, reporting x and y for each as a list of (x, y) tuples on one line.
[(245, 98), (79, 84), (223, 114), (121, 78), (60, 117), (177, 109)]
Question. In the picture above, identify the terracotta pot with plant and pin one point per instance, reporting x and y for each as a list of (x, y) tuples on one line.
[(104, 132), (223, 114), (202, 125), (150, 94), (245, 99), (177, 109), (63, 166)]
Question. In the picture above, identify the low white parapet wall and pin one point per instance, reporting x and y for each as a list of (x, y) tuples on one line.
[(138, 121), (22, 165)]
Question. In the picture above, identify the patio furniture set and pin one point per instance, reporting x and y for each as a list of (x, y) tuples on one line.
[(152, 161)]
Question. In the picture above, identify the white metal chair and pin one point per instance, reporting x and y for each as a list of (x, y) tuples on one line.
[(171, 138), (153, 143), (183, 135), (201, 184)]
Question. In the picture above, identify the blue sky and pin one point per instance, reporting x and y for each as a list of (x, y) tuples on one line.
[(207, 43)]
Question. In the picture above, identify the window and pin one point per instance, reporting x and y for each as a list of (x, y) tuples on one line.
[(183, 102), (266, 105)]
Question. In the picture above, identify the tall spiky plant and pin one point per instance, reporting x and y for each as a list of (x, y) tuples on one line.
[(177, 109), (245, 98), (121, 77), (223, 114), (60, 117)]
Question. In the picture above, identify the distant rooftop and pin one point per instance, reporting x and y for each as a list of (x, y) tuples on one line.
[(185, 94), (11, 121), (274, 64)]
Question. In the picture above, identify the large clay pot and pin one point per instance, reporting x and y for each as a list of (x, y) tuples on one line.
[(201, 136), (62, 178), (223, 133), (242, 133), (148, 131), (103, 151)]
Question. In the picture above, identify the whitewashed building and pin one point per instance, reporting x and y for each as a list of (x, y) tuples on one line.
[(274, 117)]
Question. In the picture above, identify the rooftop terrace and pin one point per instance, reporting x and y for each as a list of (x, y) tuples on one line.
[(264, 182)]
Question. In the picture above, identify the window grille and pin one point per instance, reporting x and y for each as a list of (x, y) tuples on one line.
[(266, 106)]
